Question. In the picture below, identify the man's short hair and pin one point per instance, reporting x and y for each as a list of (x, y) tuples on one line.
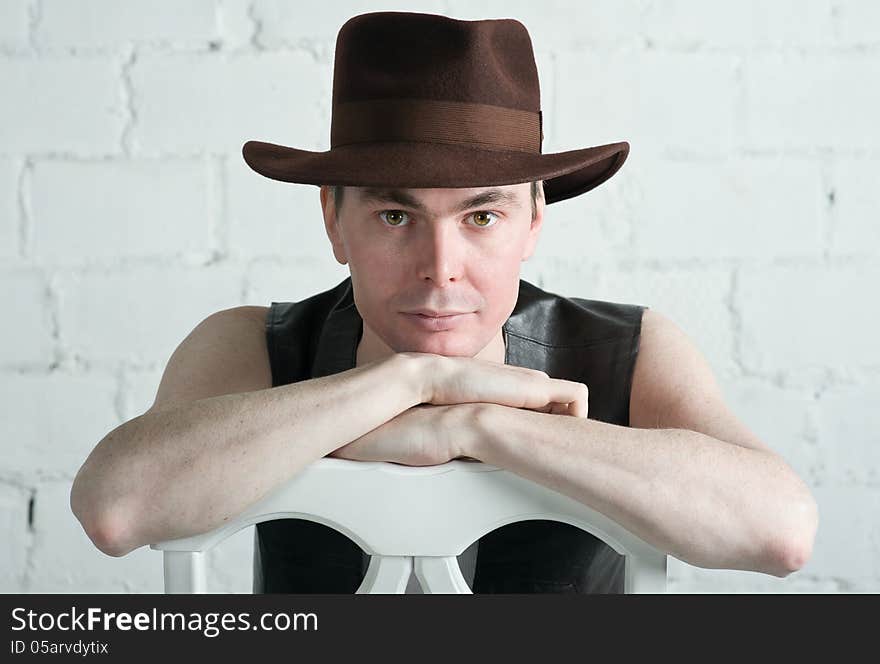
[(338, 193)]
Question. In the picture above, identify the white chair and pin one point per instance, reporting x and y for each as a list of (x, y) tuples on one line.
[(414, 518)]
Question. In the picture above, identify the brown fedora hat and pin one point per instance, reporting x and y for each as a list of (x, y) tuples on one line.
[(423, 100)]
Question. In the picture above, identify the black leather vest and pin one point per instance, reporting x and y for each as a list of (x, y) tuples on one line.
[(589, 341)]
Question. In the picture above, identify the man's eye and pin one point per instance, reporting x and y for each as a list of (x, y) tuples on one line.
[(482, 218), (393, 217)]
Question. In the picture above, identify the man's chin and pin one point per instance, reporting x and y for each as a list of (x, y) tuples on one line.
[(447, 347)]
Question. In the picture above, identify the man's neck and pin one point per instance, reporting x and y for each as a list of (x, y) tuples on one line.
[(372, 348)]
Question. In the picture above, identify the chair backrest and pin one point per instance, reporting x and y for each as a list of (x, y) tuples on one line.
[(412, 518)]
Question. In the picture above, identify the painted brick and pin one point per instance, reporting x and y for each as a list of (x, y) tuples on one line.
[(15, 537), (234, 26), (139, 314), (64, 559), (640, 99), (284, 23), (601, 23), (803, 318), (847, 547), (855, 23), (9, 214), (779, 417), (59, 104), (111, 210), (292, 279), (733, 207), (855, 221), (29, 342), (272, 218), (847, 431), (109, 24), (807, 101), (54, 421), (14, 26), (749, 25), (193, 103)]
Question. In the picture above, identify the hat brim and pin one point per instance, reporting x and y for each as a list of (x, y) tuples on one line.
[(409, 164)]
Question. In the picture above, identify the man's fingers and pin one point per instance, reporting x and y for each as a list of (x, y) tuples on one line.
[(574, 408), (574, 396), (559, 409)]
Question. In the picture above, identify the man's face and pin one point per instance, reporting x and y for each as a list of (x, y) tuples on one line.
[(443, 250)]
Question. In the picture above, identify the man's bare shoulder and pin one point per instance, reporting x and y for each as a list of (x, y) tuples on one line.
[(249, 311), (226, 353), (245, 323), (674, 387)]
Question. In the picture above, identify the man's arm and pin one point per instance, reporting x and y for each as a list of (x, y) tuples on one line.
[(702, 488), (215, 443)]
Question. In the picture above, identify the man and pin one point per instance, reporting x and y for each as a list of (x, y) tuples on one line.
[(433, 193)]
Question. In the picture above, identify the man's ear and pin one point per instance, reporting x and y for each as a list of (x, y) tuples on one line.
[(332, 226), (535, 228)]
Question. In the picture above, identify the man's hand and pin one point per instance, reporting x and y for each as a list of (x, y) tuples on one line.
[(455, 380), (424, 435), (443, 428)]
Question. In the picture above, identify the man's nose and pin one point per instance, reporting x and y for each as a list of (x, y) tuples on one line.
[(440, 253)]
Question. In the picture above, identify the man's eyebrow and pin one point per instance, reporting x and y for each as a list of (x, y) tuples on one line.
[(400, 197)]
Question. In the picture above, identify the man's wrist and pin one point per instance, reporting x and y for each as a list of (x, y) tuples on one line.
[(416, 376), (478, 429)]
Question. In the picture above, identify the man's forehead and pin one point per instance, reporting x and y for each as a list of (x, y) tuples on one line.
[(455, 199)]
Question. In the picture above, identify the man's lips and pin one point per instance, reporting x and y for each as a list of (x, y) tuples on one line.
[(437, 323), (434, 313)]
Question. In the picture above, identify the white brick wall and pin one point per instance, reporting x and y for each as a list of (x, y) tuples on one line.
[(748, 212)]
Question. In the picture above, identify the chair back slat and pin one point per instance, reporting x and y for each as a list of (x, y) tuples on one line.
[(414, 519)]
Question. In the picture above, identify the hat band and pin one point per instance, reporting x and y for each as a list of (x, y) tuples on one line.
[(432, 121)]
